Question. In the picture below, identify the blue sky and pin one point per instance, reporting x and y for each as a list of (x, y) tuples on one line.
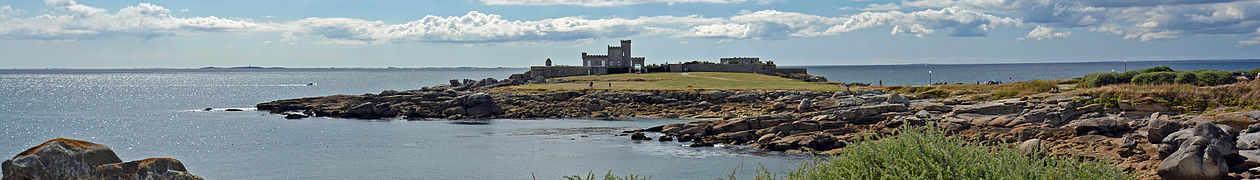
[(519, 33)]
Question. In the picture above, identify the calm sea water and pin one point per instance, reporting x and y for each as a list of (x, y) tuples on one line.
[(917, 74), (154, 113)]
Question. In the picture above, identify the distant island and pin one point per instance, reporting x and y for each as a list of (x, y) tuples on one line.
[(243, 67)]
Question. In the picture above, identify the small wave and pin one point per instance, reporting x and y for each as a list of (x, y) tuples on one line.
[(220, 109)]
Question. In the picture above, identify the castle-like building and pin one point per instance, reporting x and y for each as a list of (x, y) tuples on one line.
[(618, 56), (619, 60)]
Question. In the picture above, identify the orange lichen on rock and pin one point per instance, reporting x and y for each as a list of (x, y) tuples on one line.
[(76, 144)]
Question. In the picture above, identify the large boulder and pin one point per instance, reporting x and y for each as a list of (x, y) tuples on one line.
[(1201, 153), (1110, 126), (992, 108), (898, 99), (1157, 129), (817, 141), (1197, 158), (478, 105), (74, 159)]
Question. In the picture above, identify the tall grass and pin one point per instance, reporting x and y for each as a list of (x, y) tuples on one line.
[(1189, 97), (979, 92), (926, 153)]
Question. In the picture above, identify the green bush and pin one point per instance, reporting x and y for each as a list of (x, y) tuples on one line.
[(1254, 71), (1213, 77), (1185, 77), (926, 153), (1101, 79), (1161, 77), (1157, 69), (1128, 75)]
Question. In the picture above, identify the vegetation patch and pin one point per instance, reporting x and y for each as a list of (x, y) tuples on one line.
[(1159, 75), (979, 92), (1186, 97), (677, 81), (926, 153)]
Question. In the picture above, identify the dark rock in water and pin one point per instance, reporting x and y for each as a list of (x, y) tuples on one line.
[(665, 138), (478, 105), (207, 109), (685, 138), (639, 136), (73, 159), (295, 116), (233, 109)]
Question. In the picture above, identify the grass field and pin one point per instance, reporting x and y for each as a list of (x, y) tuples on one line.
[(679, 81)]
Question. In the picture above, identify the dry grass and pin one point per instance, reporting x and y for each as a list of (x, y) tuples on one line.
[(676, 82), (982, 92), (1193, 98)]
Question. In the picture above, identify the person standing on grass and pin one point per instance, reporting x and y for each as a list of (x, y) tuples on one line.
[(592, 85)]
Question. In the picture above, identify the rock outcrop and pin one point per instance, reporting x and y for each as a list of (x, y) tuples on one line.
[(74, 159)]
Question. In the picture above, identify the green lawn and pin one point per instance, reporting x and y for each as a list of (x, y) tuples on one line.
[(679, 81)]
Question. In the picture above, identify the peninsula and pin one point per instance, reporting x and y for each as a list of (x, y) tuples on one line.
[(1154, 123)]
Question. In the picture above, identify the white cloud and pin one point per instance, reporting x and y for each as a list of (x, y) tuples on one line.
[(611, 3), (881, 7), (143, 20), (1253, 41), (1043, 32), (476, 27), (1133, 19), (771, 24)]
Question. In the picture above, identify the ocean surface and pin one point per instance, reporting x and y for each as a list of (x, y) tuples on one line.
[(917, 74), (143, 113), (157, 113)]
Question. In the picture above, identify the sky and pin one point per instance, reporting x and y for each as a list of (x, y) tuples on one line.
[(520, 33)]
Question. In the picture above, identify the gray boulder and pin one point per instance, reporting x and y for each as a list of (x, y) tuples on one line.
[(1110, 126), (898, 99), (1157, 129), (1197, 158), (806, 104), (991, 108)]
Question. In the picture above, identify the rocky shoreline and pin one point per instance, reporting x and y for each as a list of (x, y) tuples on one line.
[(74, 159), (1146, 138)]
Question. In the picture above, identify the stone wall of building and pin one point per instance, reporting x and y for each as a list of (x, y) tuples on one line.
[(564, 71), (745, 68)]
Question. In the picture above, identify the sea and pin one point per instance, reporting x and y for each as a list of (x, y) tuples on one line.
[(143, 113)]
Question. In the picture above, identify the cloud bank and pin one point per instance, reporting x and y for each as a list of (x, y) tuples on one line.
[(610, 3), (1042, 19)]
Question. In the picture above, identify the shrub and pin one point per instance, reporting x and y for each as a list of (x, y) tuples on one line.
[(1101, 79), (1213, 77), (1254, 71), (1185, 77), (1157, 69), (1155, 78), (926, 153), (1128, 75)]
